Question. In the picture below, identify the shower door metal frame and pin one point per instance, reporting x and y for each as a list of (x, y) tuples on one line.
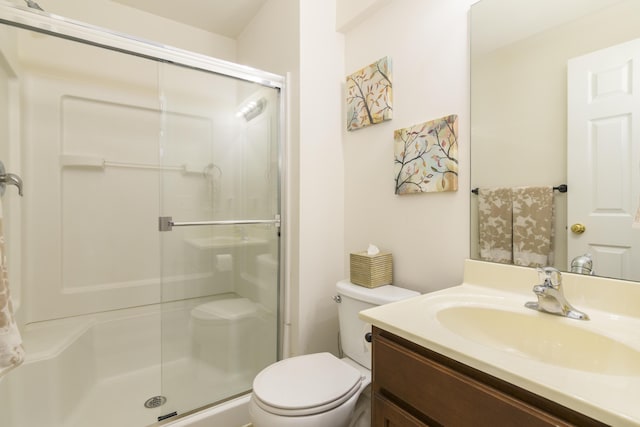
[(43, 22)]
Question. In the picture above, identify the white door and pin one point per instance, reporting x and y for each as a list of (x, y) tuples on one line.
[(603, 158)]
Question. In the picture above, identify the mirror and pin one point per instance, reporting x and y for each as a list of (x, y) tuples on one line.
[(536, 68)]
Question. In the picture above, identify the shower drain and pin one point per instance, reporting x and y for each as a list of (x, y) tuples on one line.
[(155, 401)]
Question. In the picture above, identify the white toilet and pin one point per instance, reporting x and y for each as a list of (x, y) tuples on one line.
[(320, 390)]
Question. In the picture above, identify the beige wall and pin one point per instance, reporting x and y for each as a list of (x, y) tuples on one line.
[(427, 233), (345, 198), (350, 13), (299, 37), (322, 220)]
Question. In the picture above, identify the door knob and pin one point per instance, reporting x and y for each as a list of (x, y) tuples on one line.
[(578, 228)]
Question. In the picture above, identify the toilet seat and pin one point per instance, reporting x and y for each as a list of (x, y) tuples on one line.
[(305, 385)]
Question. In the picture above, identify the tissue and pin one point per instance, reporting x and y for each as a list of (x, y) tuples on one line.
[(371, 268)]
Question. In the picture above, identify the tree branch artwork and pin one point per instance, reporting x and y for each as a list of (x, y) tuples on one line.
[(369, 95), (426, 157)]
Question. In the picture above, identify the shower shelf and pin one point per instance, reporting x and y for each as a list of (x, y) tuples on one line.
[(46, 340), (98, 163)]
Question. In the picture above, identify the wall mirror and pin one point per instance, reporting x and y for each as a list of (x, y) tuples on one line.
[(554, 100)]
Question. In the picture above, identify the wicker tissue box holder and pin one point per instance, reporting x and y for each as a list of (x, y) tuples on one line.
[(371, 271)]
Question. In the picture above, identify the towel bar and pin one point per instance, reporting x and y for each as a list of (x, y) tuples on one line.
[(562, 188), (166, 223)]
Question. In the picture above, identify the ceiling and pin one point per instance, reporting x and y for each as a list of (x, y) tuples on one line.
[(224, 17), (491, 30)]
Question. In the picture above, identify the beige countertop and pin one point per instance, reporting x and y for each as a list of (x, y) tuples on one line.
[(590, 366)]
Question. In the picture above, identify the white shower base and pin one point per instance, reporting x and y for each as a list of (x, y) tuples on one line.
[(99, 370), (123, 397), (234, 413)]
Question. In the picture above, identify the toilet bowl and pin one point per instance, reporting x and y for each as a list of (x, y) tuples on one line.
[(314, 390), (321, 390)]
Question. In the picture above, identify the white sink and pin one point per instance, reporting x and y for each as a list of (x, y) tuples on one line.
[(549, 339), (591, 366)]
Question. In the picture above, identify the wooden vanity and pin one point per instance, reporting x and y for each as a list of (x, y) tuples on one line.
[(414, 386), (474, 355)]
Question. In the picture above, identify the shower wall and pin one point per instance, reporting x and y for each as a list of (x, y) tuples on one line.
[(99, 143)]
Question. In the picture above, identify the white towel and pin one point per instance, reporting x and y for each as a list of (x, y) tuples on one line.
[(11, 351)]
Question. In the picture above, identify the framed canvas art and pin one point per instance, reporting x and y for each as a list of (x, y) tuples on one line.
[(369, 95), (426, 157)]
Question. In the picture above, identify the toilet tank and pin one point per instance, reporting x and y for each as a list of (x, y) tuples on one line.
[(354, 299)]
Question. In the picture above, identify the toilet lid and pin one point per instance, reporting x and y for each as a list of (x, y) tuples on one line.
[(305, 385)]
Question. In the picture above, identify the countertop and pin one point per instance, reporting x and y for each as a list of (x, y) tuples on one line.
[(610, 394)]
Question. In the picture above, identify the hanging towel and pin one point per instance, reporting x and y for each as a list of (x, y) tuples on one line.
[(533, 226), (495, 224), (11, 351)]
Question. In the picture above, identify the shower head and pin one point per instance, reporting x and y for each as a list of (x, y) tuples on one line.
[(252, 109), (33, 5)]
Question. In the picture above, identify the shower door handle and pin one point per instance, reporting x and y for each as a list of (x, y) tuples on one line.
[(9, 178), (166, 223)]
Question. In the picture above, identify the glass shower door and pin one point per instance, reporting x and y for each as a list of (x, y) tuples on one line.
[(219, 235)]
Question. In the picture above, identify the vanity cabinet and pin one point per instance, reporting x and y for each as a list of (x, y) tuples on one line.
[(414, 386)]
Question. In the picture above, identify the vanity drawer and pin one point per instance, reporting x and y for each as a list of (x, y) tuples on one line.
[(388, 414), (440, 395)]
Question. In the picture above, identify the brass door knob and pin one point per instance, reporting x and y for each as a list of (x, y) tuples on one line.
[(578, 228)]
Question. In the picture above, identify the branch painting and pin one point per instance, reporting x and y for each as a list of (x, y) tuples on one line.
[(370, 95), (426, 157)]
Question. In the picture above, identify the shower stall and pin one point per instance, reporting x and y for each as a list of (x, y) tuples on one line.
[(144, 256)]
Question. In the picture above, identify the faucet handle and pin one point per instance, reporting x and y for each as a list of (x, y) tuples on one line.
[(551, 277)]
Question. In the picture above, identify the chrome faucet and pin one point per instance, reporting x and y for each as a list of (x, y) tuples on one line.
[(551, 296), (582, 264)]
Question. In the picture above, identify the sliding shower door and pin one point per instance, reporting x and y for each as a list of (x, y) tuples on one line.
[(219, 231), (112, 138)]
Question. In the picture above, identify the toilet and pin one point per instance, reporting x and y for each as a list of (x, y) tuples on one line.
[(320, 390)]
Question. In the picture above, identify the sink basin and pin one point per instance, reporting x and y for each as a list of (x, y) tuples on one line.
[(545, 338)]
